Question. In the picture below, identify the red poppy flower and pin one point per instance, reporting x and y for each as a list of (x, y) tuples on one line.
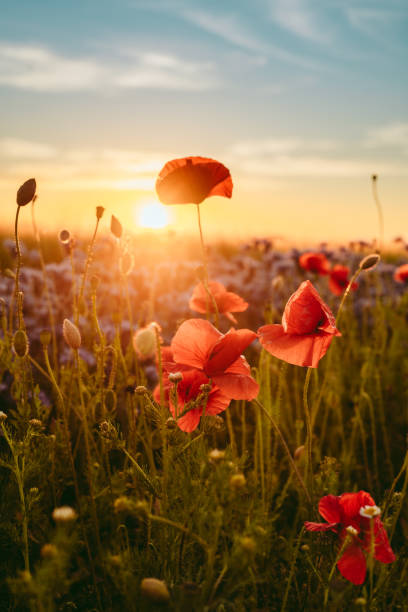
[(354, 515), (315, 262), (308, 327), (226, 301), (401, 274), (190, 180), (339, 279), (199, 345)]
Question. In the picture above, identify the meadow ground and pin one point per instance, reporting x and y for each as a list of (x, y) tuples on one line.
[(213, 518)]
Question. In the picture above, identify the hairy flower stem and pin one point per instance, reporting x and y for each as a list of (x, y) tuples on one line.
[(19, 474), (46, 289), (85, 272), (333, 569), (346, 293), (163, 412), (210, 296), (309, 469), (379, 211), (285, 446), (84, 419), (17, 275)]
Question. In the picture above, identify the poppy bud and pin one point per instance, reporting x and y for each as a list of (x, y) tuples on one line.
[(373, 177), (116, 227), (71, 334), (64, 236), (26, 192), (175, 377), (205, 388), (216, 455), (20, 343), (154, 590), (144, 342), (370, 262), (248, 545), (3, 416), (36, 423), (48, 551), (237, 482), (140, 390), (45, 337), (99, 212), (298, 452)]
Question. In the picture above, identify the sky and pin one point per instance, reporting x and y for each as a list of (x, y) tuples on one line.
[(303, 100)]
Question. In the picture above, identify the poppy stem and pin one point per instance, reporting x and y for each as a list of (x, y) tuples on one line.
[(85, 272), (285, 446), (345, 294), (308, 428), (379, 210), (17, 277), (333, 569), (205, 266)]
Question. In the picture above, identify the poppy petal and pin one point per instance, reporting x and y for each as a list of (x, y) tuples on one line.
[(193, 342), (352, 564), (190, 421), (299, 350), (192, 180), (200, 301), (237, 381), (217, 402), (329, 508), (352, 502), (231, 302), (227, 350), (310, 526), (383, 551)]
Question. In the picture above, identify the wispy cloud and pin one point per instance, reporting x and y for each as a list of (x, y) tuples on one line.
[(25, 149), (299, 18), (40, 69), (391, 136), (231, 29)]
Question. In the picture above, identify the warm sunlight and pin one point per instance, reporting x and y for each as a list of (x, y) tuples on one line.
[(152, 215)]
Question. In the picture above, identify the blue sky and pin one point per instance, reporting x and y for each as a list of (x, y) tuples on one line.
[(302, 99)]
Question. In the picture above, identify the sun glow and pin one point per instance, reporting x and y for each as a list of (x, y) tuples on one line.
[(152, 215)]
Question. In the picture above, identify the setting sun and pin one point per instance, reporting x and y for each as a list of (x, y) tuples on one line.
[(152, 215)]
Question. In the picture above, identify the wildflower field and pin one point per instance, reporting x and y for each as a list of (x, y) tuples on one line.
[(201, 426)]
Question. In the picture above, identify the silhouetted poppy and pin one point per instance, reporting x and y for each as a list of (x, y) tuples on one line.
[(315, 262), (401, 274), (339, 279), (226, 301), (26, 192), (308, 327), (190, 180), (199, 345), (354, 515)]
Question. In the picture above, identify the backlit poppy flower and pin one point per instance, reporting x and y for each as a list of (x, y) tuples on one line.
[(401, 274), (190, 180), (356, 517), (339, 279), (199, 345), (190, 393), (315, 262), (308, 327), (226, 301)]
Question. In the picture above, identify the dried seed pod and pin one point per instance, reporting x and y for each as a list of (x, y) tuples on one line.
[(20, 343), (71, 334), (26, 192)]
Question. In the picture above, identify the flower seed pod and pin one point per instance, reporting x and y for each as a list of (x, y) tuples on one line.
[(99, 212), (154, 590), (45, 337), (370, 262), (71, 334), (116, 227), (20, 343), (26, 192)]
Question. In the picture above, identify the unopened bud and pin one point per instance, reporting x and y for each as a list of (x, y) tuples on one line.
[(175, 377), (144, 342), (141, 390), (248, 545), (237, 482), (116, 227), (35, 423), (20, 343), (205, 387), (216, 455), (99, 212), (3, 416), (298, 452), (26, 192), (64, 236), (48, 551), (154, 590), (45, 337), (370, 262), (110, 400), (64, 514), (71, 334)]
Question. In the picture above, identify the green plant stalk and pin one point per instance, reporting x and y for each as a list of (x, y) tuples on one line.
[(165, 521), (17, 275), (19, 474), (46, 290), (379, 211), (308, 429), (286, 448), (87, 263), (333, 568), (205, 266), (292, 570)]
